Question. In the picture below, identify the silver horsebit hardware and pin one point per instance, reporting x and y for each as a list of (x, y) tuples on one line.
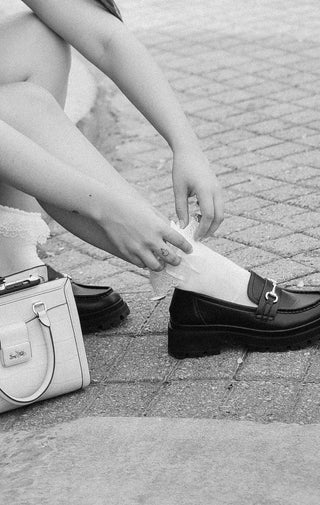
[(272, 293)]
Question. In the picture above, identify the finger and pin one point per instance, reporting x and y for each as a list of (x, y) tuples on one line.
[(175, 238), (168, 256), (218, 213), (181, 203), (137, 261), (152, 262), (207, 211)]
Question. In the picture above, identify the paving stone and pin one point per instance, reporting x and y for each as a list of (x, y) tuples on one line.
[(71, 241), (205, 129), (281, 109), (232, 96), (55, 228), (145, 359), (122, 399), (272, 366), (218, 112), (308, 408), (66, 261), (234, 223), (268, 126), (308, 201), (127, 281), (289, 95), (245, 205), (293, 244), (308, 157), (283, 270), (259, 234), (189, 399), (312, 182), (53, 247), (278, 213), (232, 136), (257, 142), (255, 104), (306, 221), (274, 169), (158, 321), (220, 366), (267, 87), (313, 232), (244, 160), (222, 245), (141, 308), (283, 171), (295, 133), (286, 192), (103, 350), (313, 372), (309, 258), (281, 150), (251, 257), (93, 271), (256, 184), (311, 281), (268, 401), (57, 410), (233, 177), (241, 120), (313, 140), (221, 152)]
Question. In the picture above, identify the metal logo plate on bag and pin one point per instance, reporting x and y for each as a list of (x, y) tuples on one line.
[(16, 354), (15, 347)]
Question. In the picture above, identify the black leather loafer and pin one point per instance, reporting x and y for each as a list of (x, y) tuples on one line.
[(99, 307), (283, 319)]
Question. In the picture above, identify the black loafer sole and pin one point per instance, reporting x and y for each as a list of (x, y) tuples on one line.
[(196, 341), (105, 319)]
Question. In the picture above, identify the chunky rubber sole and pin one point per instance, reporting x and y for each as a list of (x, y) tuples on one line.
[(197, 341), (106, 319)]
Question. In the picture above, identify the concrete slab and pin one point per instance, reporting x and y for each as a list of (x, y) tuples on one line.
[(157, 461)]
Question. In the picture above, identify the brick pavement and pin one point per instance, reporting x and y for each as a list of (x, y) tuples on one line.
[(247, 74)]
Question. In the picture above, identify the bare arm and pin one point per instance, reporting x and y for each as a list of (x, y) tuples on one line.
[(107, 43), (29, 168), (120, 221)]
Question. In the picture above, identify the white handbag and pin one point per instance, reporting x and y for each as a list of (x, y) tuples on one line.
[(42, 354)]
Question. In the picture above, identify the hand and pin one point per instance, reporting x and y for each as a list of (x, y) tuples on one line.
[(192, 176), (139, 234)]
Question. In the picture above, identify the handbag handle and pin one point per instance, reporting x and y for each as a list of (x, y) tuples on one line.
[(40, 311)]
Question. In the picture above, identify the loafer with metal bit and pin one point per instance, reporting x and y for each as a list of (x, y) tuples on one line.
[(283, 319), (99, 307)]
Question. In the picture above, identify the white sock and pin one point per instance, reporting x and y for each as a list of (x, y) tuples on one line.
[(20, 232), (203, 271)]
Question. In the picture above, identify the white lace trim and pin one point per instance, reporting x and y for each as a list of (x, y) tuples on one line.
[(29, 226)]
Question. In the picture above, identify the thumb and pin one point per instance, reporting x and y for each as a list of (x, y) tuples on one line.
[(182, 211)]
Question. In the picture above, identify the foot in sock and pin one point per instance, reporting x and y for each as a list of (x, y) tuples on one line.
[(20, 232), (203, 271), (217, 303)]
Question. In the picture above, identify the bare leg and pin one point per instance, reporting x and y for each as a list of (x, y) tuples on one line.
[(36, 55), (39, 56), (42, 120), (34, 113)]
